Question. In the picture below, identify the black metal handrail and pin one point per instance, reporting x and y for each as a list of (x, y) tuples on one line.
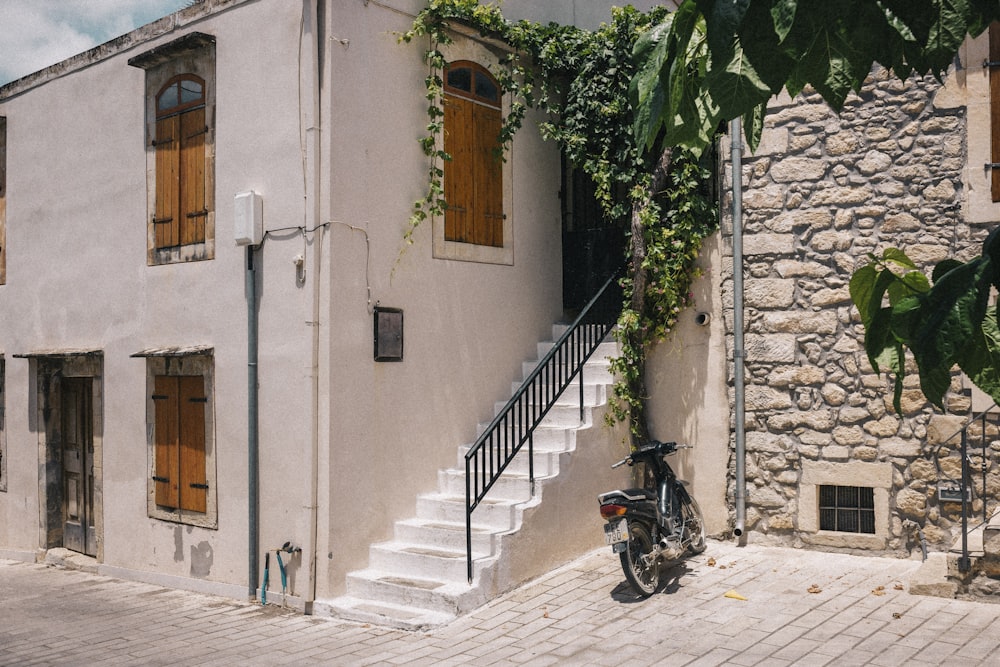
[(965, 483), (515, 425)]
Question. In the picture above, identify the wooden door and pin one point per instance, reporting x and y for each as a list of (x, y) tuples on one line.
[(76, 412)]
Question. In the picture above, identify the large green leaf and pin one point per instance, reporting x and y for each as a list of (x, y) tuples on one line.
[(982, 362), (783, 16), (736, 87), (861, 286)]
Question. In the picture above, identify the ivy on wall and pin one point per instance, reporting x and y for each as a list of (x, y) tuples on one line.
[(660, 200)]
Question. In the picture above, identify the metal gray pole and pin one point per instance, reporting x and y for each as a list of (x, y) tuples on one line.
[(736, 139), (252, 420)]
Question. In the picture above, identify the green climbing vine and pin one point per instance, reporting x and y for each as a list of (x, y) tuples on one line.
[(581, 79)]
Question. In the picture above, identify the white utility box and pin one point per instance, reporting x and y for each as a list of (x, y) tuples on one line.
[(248, 218)]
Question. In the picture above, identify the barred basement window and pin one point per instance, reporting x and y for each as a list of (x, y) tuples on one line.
[(847, 509)]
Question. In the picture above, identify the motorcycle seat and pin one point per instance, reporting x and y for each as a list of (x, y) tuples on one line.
[(627, 494)]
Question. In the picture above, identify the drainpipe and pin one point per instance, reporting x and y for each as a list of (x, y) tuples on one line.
[(252, 422), (311, 110), (739, 353)]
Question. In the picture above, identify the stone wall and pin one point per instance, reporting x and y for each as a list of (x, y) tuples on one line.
[(820, 193)]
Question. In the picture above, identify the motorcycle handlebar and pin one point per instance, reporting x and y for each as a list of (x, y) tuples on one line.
[(654, 448)]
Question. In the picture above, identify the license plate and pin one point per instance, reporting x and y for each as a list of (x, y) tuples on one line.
[(616, 531)]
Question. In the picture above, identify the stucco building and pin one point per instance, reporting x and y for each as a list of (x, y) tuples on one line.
[(215, 342)]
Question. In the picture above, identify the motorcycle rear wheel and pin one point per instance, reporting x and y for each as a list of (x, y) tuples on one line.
[(641, 570), (694, 526)]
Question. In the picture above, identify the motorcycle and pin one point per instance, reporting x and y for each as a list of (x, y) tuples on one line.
[(648, 527)]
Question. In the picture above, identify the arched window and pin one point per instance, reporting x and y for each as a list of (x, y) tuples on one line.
[(473, 178), (181, 211)]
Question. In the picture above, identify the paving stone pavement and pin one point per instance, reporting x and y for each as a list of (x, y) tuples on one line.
[(801, 608)]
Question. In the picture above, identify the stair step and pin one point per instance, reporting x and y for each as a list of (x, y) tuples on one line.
[(601, 353), (594, 372), (415, 592), (497, 514), (510, 485), (546, 438), (383, 613), (444, 535), (546, 462), (593, 395), (421, 561)]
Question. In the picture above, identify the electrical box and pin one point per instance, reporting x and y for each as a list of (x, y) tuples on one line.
[(248, 218), (388, 334)]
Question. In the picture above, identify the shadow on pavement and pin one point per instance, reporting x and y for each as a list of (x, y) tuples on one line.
[(670, 582)]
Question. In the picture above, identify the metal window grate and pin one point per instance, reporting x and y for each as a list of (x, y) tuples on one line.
[(847, 509)]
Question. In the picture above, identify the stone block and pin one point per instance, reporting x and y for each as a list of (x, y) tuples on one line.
[(790, 268), (900, 222), (991, 551), (825, 298), (884, 427), (898, 447), (841, 143), (942, 428), (817, 420), (769, 293), (874, 162), (931, 578), (774, 348), (848, 435), (766, 398), (799, 322), (841, 196), (830, 240), (768, 443), (911, 503), (768, 244), (797, 169), (796, 376)]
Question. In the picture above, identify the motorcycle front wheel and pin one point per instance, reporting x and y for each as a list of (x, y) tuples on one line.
[(694, 526), (641, 569)]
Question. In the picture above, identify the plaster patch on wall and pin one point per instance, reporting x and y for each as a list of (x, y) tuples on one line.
[(202, 557)]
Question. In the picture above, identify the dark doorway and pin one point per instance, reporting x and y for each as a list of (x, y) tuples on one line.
[(593, 246), (77, 431)]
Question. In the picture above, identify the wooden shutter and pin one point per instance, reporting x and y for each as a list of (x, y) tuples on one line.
[(179, 476), (488, 170), (995, 108), (192, 177), (191, 407), (459, 190), (166, 224), (166, 474)]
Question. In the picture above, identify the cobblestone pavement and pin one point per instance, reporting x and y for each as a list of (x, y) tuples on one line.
[(801, 607)]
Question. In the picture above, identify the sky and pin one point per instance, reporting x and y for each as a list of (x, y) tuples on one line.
[(37, 33)]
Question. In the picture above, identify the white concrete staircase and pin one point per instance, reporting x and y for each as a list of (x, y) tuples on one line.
[(419, 578)]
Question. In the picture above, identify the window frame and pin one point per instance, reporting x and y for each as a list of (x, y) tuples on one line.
[(191, 233), (173, 364), (473, 177), (993, 75), (3, 424), (474, 53), (3, 200), (837, 512)]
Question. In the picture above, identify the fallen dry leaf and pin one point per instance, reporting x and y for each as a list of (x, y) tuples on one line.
[(897, 615), (722, 567), (898, 587), (878, 590), (815, 589), (711, 562)]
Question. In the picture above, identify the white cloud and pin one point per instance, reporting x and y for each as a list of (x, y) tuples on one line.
[(37, 33)]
